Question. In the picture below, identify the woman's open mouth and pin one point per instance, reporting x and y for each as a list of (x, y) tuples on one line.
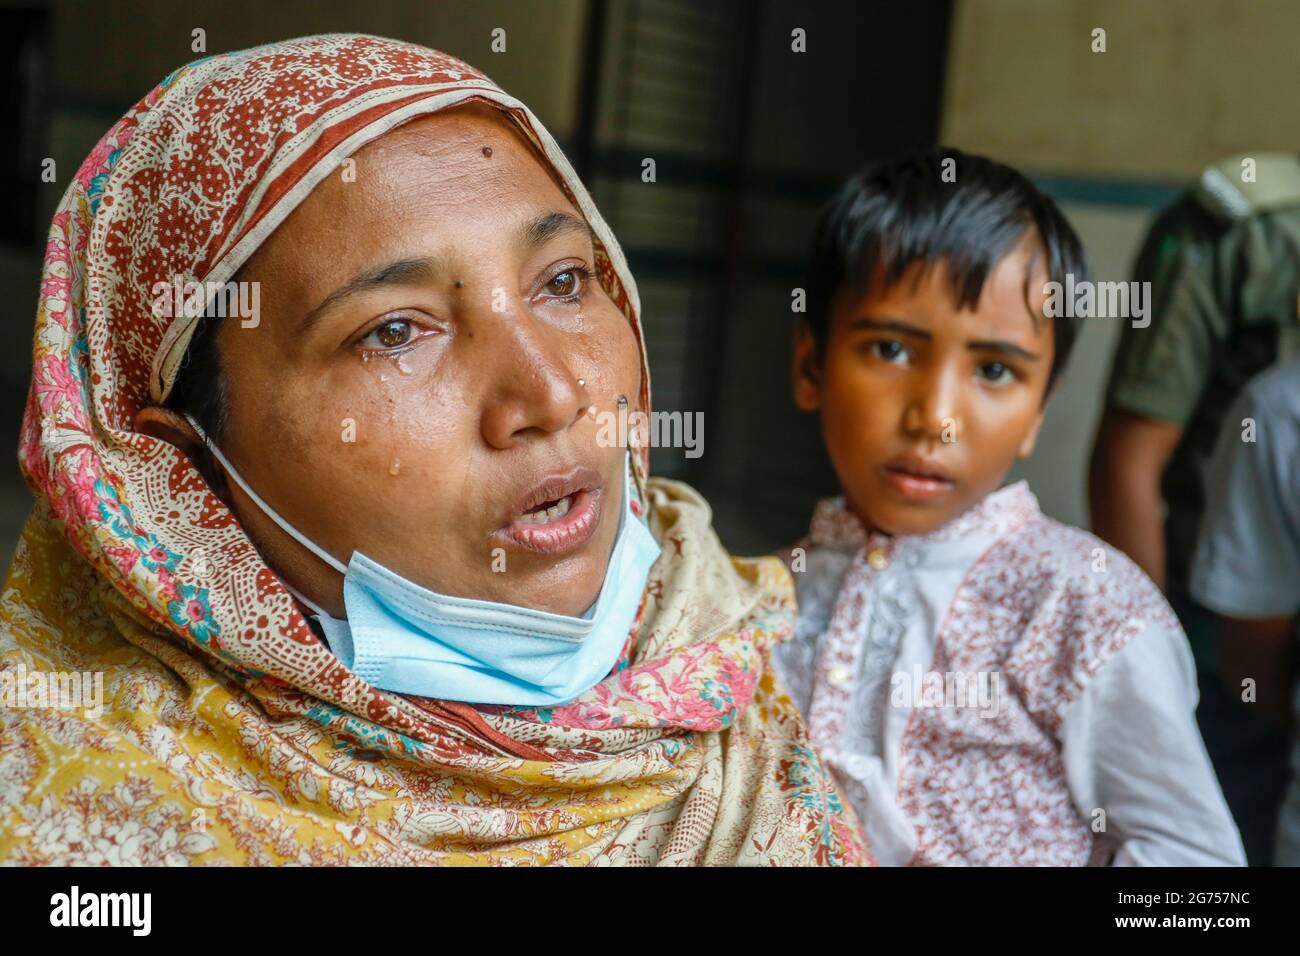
[(559, 515)]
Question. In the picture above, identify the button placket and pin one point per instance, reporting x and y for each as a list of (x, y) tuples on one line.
[(885, 625)]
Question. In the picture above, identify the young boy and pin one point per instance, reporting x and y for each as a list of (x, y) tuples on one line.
[(989, 686)]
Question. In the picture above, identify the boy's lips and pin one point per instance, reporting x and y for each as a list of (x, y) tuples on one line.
[(559, 514), (918, 478)]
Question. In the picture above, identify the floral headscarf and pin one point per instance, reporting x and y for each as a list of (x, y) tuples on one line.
[(229, 732)]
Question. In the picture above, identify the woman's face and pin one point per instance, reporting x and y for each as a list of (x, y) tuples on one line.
[(432, 351)]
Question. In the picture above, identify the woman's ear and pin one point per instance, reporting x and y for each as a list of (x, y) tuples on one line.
[(807, 369), (171, 427)]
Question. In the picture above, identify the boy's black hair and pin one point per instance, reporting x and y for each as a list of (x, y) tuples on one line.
[(893, 214)]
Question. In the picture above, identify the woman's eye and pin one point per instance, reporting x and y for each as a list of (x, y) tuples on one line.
[(889, 351), (565, 285), (996, 373), (392, 334)]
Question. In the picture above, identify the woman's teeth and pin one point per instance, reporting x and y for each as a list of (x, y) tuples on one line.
[(545, 515)]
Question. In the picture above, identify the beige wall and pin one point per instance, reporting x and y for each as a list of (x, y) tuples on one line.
[(1182, 83)]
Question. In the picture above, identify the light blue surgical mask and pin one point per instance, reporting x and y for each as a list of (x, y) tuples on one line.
[(402, 637)]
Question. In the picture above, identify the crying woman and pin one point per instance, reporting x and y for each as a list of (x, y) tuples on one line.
[(362, 581)]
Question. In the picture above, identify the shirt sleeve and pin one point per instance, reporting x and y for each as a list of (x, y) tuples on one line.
[(1247, 561), (1132, 749), (1161, 370)]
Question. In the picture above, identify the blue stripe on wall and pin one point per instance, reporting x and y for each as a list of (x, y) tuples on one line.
[(1133, 193)]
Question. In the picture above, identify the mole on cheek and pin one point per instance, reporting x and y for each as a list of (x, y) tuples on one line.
[(487, 151)]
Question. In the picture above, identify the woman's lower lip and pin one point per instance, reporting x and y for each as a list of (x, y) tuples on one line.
[(918, 487), (563, 534)]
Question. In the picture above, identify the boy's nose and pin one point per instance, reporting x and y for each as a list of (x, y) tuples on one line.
[(934, 411), (932, 424)]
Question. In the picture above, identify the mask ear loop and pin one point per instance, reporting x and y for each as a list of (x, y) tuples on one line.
[(320, 611), (266, 509)]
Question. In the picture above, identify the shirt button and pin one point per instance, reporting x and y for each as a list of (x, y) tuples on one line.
[(839, 676), (877, 558)]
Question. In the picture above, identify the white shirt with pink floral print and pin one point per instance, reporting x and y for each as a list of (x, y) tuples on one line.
[(1006, 690)]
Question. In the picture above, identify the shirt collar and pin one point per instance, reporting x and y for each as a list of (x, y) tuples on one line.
[(835, 527)]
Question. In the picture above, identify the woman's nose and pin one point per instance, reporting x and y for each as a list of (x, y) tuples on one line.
[(535, 391)]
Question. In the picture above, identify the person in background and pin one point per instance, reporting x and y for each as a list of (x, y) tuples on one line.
[(1224, 268), (1247, 564)]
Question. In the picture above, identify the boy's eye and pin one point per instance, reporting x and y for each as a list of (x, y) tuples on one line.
[(392, 334), (996, 373), (889, 351)]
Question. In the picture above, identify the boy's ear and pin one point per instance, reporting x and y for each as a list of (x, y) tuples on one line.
[(1031, 438), (807, 369)]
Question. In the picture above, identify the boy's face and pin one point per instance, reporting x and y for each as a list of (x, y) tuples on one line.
[(925, 407)]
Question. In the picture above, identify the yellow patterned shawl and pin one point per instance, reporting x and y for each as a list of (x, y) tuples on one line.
[(228, 734)]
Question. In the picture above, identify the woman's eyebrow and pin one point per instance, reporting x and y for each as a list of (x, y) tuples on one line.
[(535, 232), (539, 231), (400, 272)]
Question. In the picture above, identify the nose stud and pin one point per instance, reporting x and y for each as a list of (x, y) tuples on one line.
[(582, 382)]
